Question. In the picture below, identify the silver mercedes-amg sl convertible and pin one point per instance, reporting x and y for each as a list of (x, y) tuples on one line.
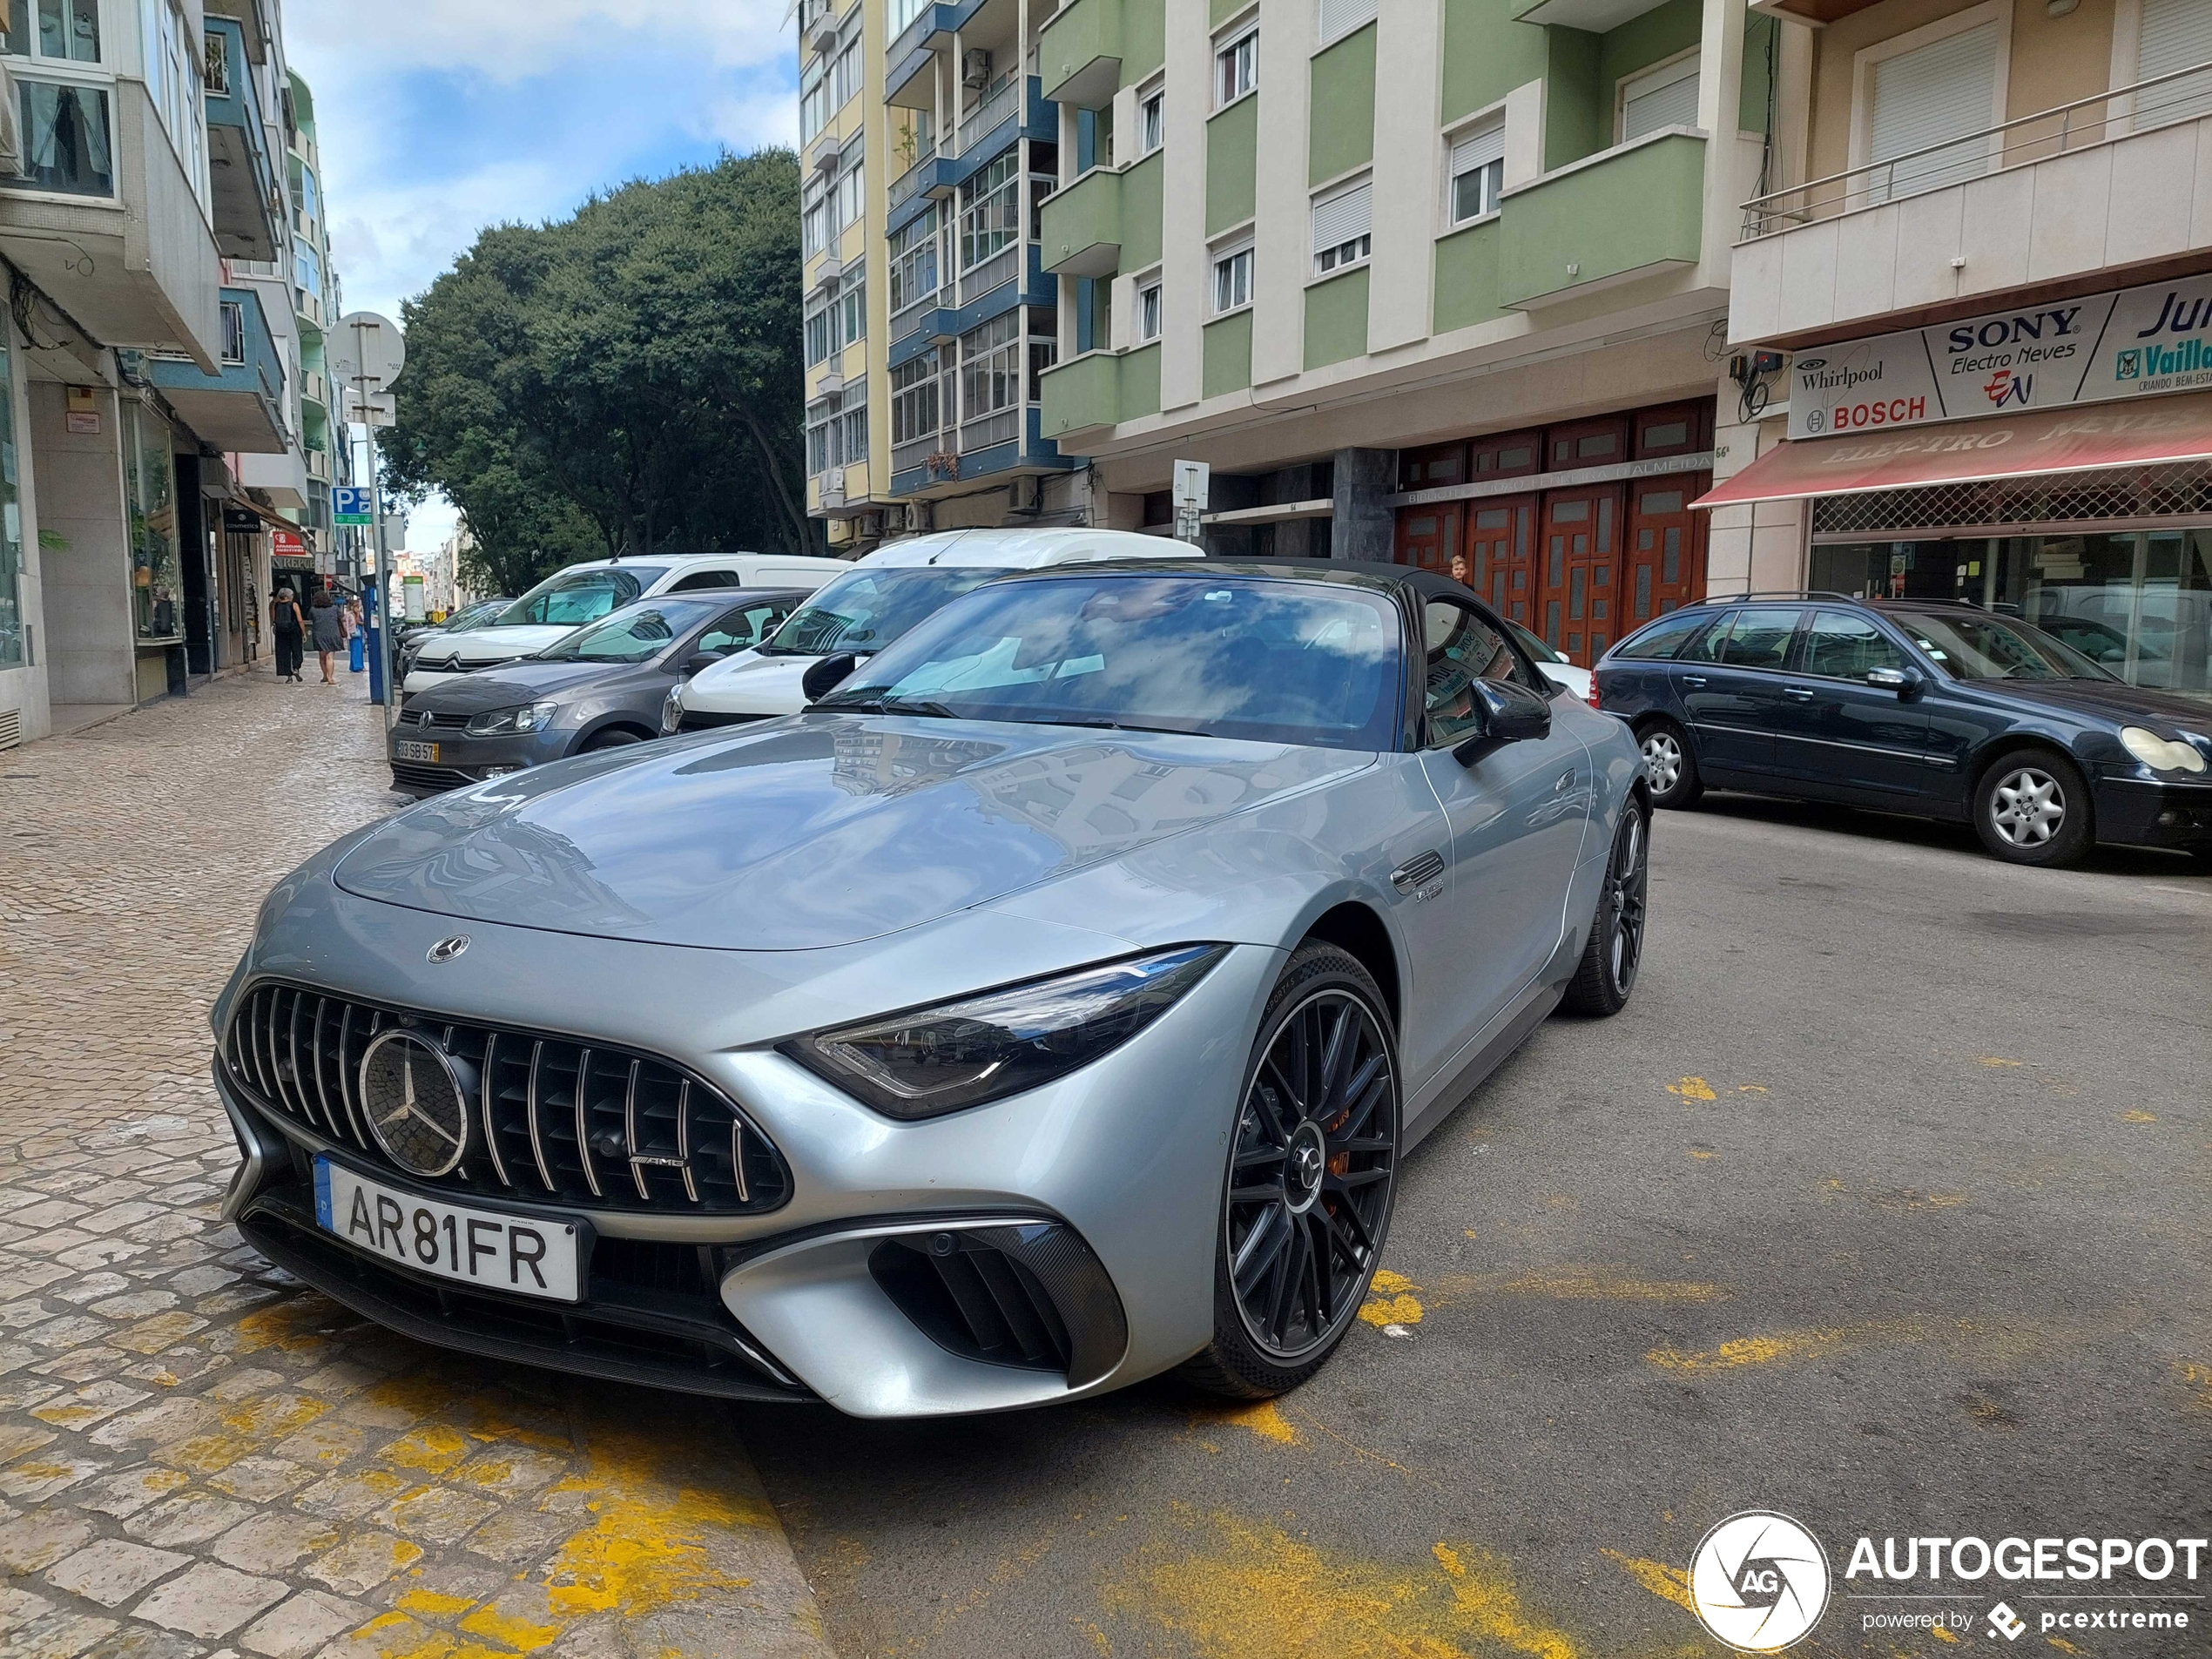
[(1049, 1006)]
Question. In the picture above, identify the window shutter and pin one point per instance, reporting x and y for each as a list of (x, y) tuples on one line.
[(2177, 35), (1666, 98), (1942, 92), (1340, 217), (1479, 149), (1342, 17)]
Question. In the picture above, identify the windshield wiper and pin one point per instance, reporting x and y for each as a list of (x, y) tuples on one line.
[(1117, 726), (893, 706)]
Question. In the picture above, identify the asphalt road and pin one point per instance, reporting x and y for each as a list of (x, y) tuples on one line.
[(1885, 1204)]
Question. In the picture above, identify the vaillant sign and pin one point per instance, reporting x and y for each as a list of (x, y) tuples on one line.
[(2092, 350)]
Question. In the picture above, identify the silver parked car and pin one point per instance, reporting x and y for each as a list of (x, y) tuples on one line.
[(1048, 1007)]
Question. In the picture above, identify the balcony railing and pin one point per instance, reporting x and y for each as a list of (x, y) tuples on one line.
[(905, 457), (908, 319), (990, 430), (2163, 100), (995, 273), (916, 179), (993, 113)]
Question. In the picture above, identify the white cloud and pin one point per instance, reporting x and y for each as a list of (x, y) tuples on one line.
[(513, 39)]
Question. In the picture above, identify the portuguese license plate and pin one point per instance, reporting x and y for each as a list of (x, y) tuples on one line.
[(410, 750), (485, 1248)]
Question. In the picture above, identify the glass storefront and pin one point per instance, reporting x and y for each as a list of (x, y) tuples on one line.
[(2138, 602), (11, 639), (155, 569)]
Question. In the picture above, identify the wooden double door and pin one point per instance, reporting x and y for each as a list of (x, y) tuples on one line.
[(1581, 567)]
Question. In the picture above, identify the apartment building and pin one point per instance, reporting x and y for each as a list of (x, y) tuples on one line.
[(1985, 262), (150, 380), (929, 149)]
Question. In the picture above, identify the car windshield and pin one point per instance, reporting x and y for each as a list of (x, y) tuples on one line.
[(868, 610), (577, 597), (1268, 660), (636, 633), (1535, 647), (1973, 645)]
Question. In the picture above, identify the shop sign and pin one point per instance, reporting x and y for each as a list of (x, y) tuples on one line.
[(237, 521), (2097, 349), (287, 544)]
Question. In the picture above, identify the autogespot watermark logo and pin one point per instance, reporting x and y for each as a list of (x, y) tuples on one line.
[(1759, 1582)]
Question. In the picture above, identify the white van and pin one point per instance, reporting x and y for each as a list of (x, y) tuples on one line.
[(880, 597), (565, 601)]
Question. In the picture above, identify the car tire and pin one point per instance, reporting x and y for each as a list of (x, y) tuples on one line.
[(1670, 768), (2033, 807), (1606, 973), (1311, 1174), (612, 738)]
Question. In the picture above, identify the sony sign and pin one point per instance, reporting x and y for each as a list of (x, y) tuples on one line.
[(2094, 350)]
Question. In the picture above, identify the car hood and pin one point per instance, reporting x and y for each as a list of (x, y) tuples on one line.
[(818, 832), (514, 682), (2102, 700), (494, 644), (750, 684)]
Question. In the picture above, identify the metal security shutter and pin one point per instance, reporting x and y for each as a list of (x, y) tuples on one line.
[(1666, 98), (1340, 217), (1479, 149), (1342, 17), (2177, 35), (1944, 90)]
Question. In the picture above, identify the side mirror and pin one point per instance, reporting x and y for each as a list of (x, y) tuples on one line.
[(826, 676), (1904, 682), (1509, 712), (699, 659)]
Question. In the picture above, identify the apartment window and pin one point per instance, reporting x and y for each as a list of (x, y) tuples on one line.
[(64, 130), (1152, 120), (813, 102), (1928, 96), (1232, 280), (914, 399), (913, 262), (173, 64), (310, 198), (306, 270), (853, 309), (990, 209), (1478, 173), (1042, 186), (990, 367), (844, 75), (1665, 97), (1235, 68), (1044, 348), (218, 66), (814, 227), (820, 423), (1340, 17), (1150, 302), (821, 334), (853, 436), (233, 332), (848, 196), (1341, 228), (64, 32), (2174, 34)]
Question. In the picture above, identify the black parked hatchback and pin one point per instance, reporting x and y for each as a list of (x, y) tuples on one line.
[(1941, 710)]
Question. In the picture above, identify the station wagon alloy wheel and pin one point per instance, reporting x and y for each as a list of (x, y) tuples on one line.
[(1309, 1191), (1662, 760)]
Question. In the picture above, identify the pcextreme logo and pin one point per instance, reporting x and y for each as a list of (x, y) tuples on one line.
[(1759, 1582)]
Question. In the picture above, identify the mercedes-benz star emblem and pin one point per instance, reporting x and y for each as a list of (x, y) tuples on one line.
[(445, 950), (417, 1102)]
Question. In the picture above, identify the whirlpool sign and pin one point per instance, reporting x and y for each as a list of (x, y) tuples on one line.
[(2092, 350)]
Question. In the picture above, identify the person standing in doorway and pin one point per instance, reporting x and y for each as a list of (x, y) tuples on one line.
[(1459, 572), (329, 630), (290, 629)]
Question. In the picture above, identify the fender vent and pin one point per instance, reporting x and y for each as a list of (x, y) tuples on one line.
[(1027, 1294)]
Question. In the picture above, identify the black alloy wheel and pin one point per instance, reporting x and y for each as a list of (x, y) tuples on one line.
[(1312, 1172), (1608, 971)]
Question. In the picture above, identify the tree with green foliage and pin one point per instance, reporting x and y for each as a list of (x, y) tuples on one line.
[(625, 381)]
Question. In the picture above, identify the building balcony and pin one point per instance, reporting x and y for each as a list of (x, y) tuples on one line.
[(1080, 53), (988, 291), (1006, 442), (1088, 396), (238, 408), (244, 202), (283, 477), (318, 465), (1082, 228), (129, 246), (932, 178), (2069, 193), (1625, 213), (909, 53), (1593, 16)]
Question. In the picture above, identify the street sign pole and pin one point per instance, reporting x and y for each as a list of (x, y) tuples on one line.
[(1193, 483), (375, 356)]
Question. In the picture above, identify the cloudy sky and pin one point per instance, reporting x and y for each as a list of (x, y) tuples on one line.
[(447, 116)]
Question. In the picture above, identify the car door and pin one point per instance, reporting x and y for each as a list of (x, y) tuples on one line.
[(1840, 737), (1730, 682), (1514, 820)]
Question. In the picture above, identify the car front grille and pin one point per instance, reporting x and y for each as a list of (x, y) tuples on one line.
[(552, 1118), (432, 718), (410, 774), (705, 720)]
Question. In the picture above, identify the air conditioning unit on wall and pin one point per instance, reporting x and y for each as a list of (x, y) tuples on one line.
[(975, 68)]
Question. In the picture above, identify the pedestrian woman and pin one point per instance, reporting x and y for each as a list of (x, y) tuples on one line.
[(329, 629), (351, 619), (290, 629)]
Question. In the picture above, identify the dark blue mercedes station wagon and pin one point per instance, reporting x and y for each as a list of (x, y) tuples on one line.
[(1936, 708)]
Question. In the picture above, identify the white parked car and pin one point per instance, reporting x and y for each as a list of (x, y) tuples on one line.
[(584, 593), (1556, 668), (879, 598)]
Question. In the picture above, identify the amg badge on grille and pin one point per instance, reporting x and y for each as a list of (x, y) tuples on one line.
[(416, 1101)]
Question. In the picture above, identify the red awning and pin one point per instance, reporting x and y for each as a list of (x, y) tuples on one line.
[(2086, 438)]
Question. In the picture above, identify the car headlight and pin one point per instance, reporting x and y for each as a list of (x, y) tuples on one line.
[(671, 710), (499, 722), (927, 1061), (2161, 755)]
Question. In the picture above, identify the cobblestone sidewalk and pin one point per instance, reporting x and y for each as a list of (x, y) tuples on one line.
[(198, 1455)]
